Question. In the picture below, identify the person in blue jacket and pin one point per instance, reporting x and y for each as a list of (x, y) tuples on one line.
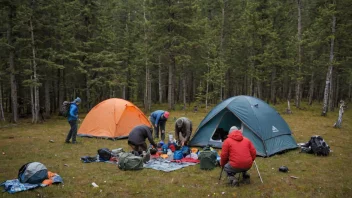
[(72, 120), (158, 119)]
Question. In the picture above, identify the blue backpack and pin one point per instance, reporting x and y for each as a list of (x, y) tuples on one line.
[(164, 148), (178, 155)]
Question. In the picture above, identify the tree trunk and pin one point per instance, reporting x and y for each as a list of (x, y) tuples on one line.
[(222, 38), (32, 101), (338, 123), (184, 90), (273, 86), (331, 94), (259, 89), (147, 94), (171, 84), (87, 93), (337, 90), (311, 89), (2, 115), (298, 83), (160, 83), (35, 78), (13, 82), (329, 73), (124, 92), (289, 95), (207, 88), (47, 99), (61, 87)]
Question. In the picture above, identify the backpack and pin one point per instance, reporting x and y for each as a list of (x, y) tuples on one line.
[(319, 146), (104, 154), (178, 155), (128, 161), (33, 173), (207, 159), (65, 108)]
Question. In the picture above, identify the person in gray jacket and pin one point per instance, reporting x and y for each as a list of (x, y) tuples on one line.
[(137, 137), (183, 130)]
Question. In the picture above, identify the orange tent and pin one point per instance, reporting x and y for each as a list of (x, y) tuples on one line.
[(113, 118)]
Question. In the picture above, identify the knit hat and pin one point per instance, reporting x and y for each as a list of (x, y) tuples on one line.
[(77, 100), (179, 123), (232, 129), (166, 114)]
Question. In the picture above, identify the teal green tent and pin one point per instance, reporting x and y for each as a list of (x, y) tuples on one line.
[(259, 122)]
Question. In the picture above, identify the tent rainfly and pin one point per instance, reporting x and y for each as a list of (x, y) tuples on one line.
[(259, 122), (113, 118)]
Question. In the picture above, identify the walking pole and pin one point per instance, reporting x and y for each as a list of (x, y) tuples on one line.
[(258, 171), (222, 169)]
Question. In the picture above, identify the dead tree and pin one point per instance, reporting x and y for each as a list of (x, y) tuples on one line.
[(341, 111)]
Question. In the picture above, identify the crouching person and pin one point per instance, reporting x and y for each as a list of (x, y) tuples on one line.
[(237, 156), (137, 137)]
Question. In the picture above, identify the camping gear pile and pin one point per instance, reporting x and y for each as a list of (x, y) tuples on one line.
[(316, 145), (30, 176)]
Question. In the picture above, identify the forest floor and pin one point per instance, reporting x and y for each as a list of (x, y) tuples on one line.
[(317, 176)]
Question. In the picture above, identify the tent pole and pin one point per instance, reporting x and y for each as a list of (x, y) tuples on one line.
[(258, 171)]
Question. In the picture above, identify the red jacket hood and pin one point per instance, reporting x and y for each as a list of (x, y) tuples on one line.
[(236, 135)]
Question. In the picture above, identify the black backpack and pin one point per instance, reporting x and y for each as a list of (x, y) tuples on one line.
[(104, 154), (319, 146), (65, 108)]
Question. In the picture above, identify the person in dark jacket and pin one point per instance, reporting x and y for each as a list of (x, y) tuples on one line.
[(137, 137), (72, 120), (237, 155), (183, 130), (158, 119)]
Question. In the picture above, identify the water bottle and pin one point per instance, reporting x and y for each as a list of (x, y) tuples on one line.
[(171, 137)]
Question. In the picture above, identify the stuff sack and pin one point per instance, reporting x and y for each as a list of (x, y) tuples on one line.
[(128, 161), (33, 173), (207, 159), (65, 108), (319, 146), (104, 154)]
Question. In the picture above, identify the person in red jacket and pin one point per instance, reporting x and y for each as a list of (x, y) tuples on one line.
[(237, 155)]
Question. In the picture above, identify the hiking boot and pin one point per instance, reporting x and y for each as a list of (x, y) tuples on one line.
[(67, 142), (231, 178), (246, 178), (235, 182)]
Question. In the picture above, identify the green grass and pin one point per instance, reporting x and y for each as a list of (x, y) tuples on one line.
[(317, 176)]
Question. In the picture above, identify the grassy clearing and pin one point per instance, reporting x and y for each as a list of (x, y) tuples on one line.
[(317, 176)]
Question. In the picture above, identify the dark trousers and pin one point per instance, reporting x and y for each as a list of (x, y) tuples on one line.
[(138, 147), (73, 131), (231, 171), (160, 126)]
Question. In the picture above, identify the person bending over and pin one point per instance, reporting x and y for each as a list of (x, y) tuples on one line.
[(158, 119), (183, 130), (137, 137)]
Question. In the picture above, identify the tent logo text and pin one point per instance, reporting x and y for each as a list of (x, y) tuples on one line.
[(275, 130)]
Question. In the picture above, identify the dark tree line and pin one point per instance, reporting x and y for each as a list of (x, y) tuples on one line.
[(172, 51)]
